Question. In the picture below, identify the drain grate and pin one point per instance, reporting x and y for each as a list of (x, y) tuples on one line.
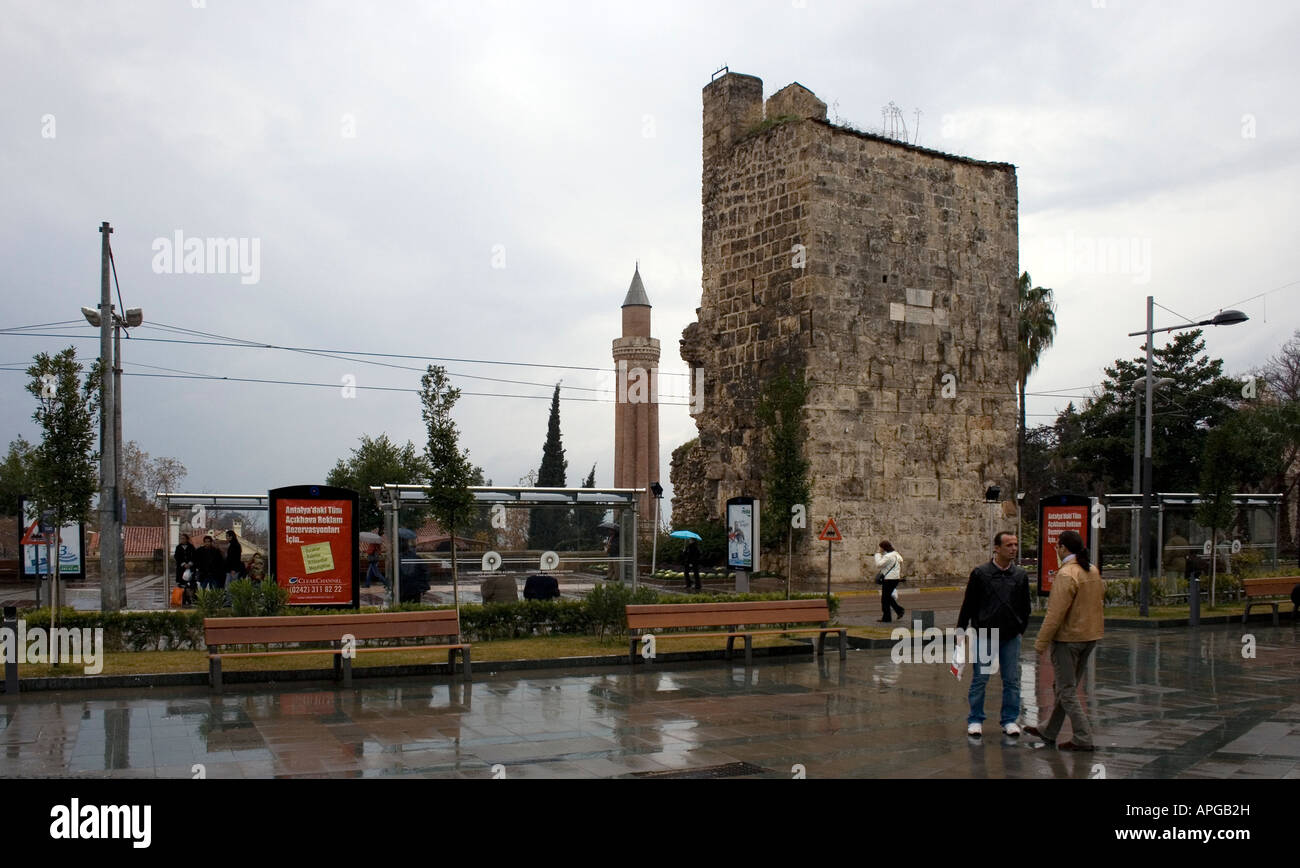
[(727, 770)]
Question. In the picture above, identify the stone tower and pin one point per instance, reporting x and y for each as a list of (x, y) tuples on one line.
[(885, 274), (636, 407)]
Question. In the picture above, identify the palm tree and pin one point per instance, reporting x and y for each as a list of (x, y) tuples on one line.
[(1037, 316)]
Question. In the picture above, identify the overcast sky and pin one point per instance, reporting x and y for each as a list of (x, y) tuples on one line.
[(476, 181)]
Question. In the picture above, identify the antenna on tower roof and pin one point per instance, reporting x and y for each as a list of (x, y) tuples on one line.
[(722, 68)]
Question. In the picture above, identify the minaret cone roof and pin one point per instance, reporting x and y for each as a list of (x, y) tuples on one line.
[(636, 291)]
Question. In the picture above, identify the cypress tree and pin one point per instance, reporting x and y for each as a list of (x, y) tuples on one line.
[(548, 526)]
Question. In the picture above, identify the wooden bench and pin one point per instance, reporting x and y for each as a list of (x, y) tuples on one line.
[(1257, 590), (643, 620), (330, 629)]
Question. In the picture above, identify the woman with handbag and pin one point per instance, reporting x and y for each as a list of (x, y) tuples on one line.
[(889, 564)]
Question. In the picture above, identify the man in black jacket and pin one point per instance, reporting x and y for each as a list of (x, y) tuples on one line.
[(997, 606), (210, 564)]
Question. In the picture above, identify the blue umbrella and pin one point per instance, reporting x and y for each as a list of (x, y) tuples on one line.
[(686, 534)]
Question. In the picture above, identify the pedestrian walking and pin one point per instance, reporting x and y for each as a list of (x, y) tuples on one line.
[(372, 570), (210, 564), (691, 562), (1071, 629), (997, 606), (889, 572)]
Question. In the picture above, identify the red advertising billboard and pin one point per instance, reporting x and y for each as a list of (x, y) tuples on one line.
[(1056, 515), (314, 544)]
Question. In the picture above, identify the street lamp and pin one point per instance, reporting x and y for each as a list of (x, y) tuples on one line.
[(1227, 317), (112, 557), (1137, 484), (658, 491)]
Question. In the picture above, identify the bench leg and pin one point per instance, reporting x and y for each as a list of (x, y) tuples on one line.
[(844, 644), (819, 644), (214, 673), (749, 650), (1275, 608), (631, 650), (731, 645), (464, 657), (347, 670)]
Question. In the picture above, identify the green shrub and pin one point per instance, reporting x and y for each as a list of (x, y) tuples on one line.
[(210, 602), (241, 593), (269, 599), (607, 602), (603, 611)]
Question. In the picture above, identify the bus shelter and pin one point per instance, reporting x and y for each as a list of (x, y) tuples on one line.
[(495, 501), (1183, 540), (197, 507)]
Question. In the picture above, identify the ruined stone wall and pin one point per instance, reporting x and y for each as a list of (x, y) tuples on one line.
[(886, 273)]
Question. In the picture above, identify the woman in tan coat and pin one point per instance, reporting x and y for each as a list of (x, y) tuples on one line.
[(1071, 629)]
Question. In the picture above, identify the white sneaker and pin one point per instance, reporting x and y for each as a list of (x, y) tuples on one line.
[(975, 729), (1011, 729)]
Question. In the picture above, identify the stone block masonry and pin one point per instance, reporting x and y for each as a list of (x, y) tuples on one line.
[(886, 274)]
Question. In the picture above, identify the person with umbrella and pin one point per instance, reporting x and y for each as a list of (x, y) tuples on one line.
[(690, 556), (373, 541), (413, 569)]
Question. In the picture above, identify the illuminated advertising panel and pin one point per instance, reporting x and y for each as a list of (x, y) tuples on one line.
[(314, 544)]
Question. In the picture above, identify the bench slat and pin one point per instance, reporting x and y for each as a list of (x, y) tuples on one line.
[(328, 628), (640, 608), (1269, 587), (225, 654), (322, 633), (666, 616)]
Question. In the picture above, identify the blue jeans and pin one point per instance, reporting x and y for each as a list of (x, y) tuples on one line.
[(1008, 663)]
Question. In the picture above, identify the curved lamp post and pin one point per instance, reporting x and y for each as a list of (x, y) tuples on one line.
[(1227, 317)]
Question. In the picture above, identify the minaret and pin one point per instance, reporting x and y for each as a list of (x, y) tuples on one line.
[(636, 408)]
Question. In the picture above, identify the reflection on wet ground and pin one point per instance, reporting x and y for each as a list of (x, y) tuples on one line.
[(1180, 703)]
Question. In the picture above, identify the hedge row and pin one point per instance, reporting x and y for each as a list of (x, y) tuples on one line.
[(601, 612)]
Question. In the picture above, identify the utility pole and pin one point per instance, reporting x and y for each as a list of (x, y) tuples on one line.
[(119, 507), (1144, 525), (111, 587)]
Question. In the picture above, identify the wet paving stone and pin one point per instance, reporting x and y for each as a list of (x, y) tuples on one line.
[(1163, 704)]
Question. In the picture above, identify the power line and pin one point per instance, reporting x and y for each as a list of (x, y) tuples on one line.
[(1174, 312), (247, 342), (1253, 297), (269, 381), (342, 355), (120, 305), (42, 325)]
